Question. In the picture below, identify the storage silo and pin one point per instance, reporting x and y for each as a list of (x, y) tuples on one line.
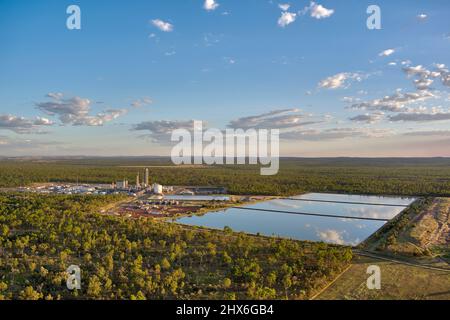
[(157, 188)]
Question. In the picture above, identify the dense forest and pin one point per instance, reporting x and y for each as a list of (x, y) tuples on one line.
[(42, 235), (363, 176)]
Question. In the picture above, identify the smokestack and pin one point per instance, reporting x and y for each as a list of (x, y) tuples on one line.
[(146, 178)]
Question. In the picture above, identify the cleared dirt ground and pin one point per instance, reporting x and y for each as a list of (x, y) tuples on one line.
[(418, 237), (426, 238), (430, 232), (398, 282)]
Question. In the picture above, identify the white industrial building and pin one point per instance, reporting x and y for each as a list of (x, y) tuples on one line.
[(157, 188), (122, 184)]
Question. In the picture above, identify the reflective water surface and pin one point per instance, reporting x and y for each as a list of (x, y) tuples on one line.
[(295, 226)]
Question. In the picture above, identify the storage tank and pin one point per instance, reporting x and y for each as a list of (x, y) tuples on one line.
[(157, 188)]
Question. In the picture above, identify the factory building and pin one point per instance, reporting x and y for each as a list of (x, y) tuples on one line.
[(157, 188), (207, 190), (122, 184)]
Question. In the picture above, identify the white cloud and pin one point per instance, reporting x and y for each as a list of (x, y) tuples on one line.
[(284, 6), (416, 71), (75, 111), (422, 16), (423, 84), (211, 39), (286, 19), (277, 119), (320, 12), (43, 122), (440, 66), (331, 236), (446, 79), (350, 99), (368, 117), (387, 53), (138, 103), (210, 5), (443, 73), (17, 144), (426, 77), (316, 11), (163, 26), (161, 131), (340, 80), (421, 117), (406, 62), (23, 125), (229, 60), (101, 118), (55, 95), (394, 103), (335, 134)]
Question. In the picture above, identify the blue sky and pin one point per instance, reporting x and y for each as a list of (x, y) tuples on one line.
[(84, 92)]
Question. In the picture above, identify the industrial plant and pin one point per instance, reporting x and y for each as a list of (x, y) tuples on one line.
[(148, 198)]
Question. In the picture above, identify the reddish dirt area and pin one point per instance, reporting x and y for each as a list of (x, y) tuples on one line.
[(432, 227)]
